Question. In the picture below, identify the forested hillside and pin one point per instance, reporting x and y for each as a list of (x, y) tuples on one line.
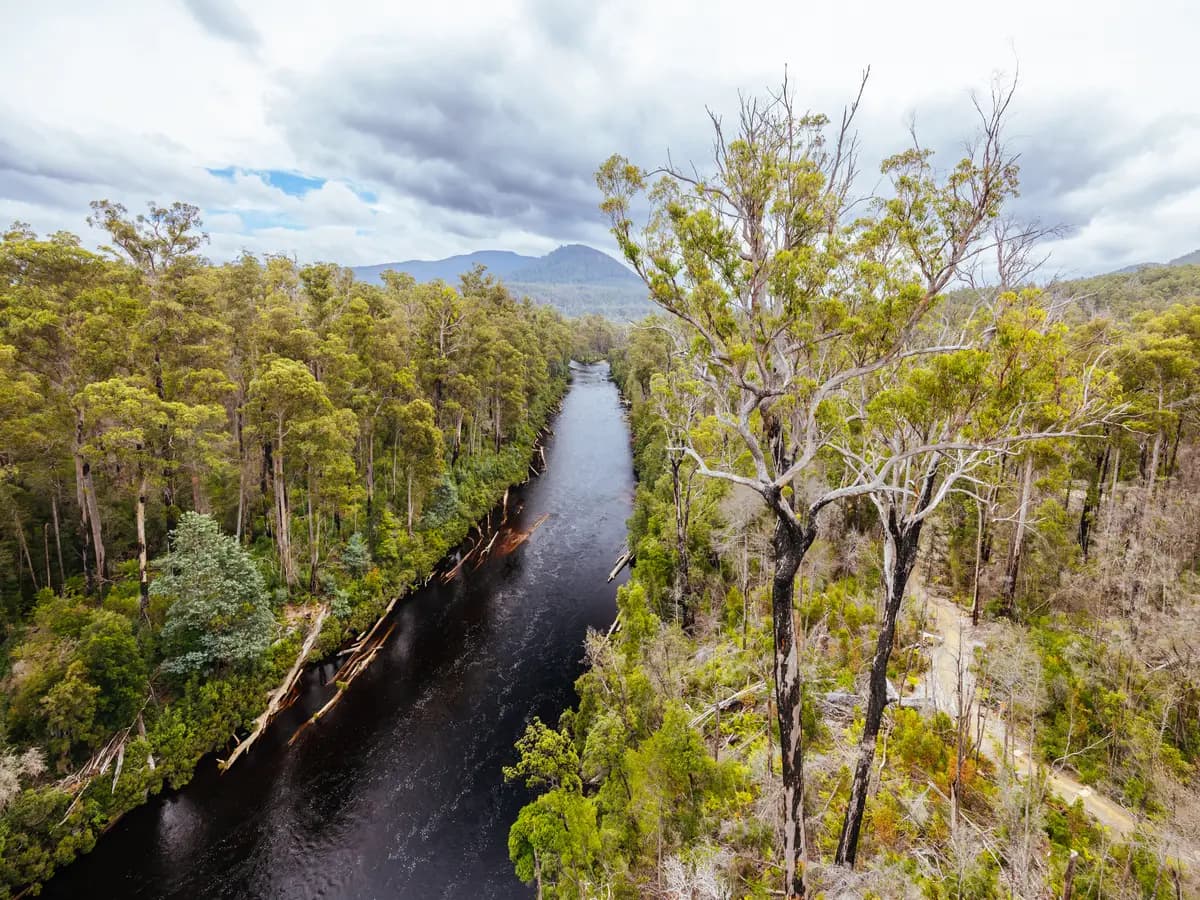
[(210, 473), (914, 587)]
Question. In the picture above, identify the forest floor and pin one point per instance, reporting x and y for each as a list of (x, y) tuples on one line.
[(957, 639)]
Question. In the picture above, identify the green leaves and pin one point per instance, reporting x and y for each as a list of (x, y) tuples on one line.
[(220, 614), (547, 759)]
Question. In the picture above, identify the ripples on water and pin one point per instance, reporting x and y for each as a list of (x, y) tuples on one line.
[(398, 792)]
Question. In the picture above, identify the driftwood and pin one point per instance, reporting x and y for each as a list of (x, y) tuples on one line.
[(449, 576), (279, 694), (622, 561), (351, 670), (354, 666), (614, 627), (487, 550)]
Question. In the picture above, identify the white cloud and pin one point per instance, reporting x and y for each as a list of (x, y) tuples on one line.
[(451, 127)]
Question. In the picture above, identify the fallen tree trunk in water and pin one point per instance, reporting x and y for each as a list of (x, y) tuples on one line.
[(353, 668), (622, 561), (280, 693)]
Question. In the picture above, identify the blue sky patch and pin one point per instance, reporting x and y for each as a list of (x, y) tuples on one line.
[(294, 184)]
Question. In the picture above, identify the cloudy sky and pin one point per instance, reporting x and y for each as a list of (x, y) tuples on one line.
[(367, 132)]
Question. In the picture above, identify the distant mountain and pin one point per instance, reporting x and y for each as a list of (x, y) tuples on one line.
[(575, 264), (499, 262), (574, 278), (1188, 259)]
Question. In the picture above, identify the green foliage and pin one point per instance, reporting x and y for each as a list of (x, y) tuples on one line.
[(220, 614), (356, 555), (547, 759)]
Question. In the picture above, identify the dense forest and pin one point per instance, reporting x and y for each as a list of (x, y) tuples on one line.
[(914, 549), (914, 594), (210, 473)]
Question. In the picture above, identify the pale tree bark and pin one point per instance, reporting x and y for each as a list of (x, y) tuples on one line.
[(283, 515), (89, 515), (62, 574), (46, 553), (19, 530), (142, 554), (1013, 567), (409, 489)]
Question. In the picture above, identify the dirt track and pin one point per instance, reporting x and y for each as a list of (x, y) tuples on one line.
[(953, 626)]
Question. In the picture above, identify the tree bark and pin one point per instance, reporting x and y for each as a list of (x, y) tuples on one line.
[(1116, 474), (241, 452), (901, 541), (980, 524), (62, 573), (283, 515), (1152, 468), (1091, 502), (46, 553), (142, 555), (682, 587), (791, 543), (370, 438), (20, 532), (1069, 877), (199, 501), (1013, 568), (410, 500), (89, 524), (313, 534)]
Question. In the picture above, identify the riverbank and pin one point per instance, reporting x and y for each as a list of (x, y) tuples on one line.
[(398, 790), (46, 828)]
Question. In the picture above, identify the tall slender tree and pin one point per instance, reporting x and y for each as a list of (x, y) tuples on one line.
[(791, 300)]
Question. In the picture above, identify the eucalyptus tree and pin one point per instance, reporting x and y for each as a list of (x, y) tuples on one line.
[(60, 308), (287, 404), (793, 287), (927, 427), (124, 416)]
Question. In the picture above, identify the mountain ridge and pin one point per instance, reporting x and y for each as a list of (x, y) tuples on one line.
[(574, 278), (1187, 259)]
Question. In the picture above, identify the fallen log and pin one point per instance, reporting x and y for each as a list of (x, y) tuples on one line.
[(352, 669), (281, 693), (449, 576), (726, 703), (614, 627), (622, 561), (487, 550)]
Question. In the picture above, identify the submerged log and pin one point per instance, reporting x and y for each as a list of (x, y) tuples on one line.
[(352, 669)]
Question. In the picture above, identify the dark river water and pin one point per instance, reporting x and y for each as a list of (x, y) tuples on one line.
[(398, 791)]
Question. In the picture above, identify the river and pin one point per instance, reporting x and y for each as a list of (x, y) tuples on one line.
[(398, 791)]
